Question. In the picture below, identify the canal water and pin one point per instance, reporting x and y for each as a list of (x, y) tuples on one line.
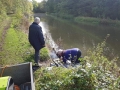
[(66, 34)]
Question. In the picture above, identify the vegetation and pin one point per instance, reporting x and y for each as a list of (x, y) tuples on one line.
[(87, 8), (39, 7), (95, 12), (97, 21), (13, 40), (14, 46), (94, 73)]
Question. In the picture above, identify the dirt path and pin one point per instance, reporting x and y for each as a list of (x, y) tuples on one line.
[(4, 32), (4, 28), (46, 63)]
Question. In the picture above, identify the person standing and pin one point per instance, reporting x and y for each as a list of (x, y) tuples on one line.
[(36, 38)]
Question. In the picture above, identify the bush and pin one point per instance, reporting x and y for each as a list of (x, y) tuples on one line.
[(87, 20), (94, 73)]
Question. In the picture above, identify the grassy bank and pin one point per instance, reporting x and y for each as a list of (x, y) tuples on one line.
[(97, 21), (87, 20), (15, 47)]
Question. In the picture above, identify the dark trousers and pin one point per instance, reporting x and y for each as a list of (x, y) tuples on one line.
[(78, 55), (37, 56)]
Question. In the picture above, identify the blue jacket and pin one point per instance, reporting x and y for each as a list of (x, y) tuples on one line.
[(70, 54), (35, 36)]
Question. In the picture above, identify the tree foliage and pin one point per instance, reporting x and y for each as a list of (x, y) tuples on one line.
[(14, 16), (88, 8), (39, 7), (18, 7)]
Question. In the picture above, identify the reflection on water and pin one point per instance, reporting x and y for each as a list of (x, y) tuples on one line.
[(47, 35), (81, 36), (45, 27)]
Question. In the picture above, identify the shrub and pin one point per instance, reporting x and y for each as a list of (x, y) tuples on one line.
[(96, 72)]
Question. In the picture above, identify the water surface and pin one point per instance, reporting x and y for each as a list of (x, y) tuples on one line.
[(83, 36)]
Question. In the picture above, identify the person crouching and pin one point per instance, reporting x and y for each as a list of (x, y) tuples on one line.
[(69, 55)]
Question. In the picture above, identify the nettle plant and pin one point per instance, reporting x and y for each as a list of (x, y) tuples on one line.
[(105, 72)]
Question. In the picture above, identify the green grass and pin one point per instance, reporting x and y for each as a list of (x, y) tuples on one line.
[(96, 21), (44, 54), (87, 20), (16, 48)]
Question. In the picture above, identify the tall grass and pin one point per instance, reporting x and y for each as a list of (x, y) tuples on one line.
[(15, 47), (96, 21)]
